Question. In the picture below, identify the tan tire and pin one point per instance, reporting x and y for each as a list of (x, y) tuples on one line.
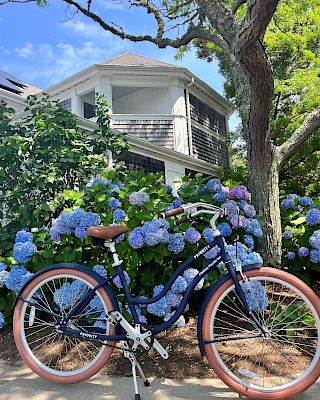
[(278, 367), (79, 358)]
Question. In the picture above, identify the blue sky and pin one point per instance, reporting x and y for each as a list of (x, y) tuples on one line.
[(42, 46)]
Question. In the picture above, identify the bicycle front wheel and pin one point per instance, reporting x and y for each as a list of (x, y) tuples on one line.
[(279, 366), (51, 354)]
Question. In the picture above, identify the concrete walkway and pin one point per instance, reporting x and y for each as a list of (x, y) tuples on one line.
[(22, 384)]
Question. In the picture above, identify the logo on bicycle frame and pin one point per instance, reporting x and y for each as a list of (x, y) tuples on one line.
[(200, 252), (88, 335)]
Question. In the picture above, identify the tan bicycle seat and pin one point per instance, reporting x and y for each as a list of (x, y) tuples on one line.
[(106, 232)]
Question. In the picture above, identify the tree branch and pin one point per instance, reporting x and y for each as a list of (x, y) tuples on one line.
[(310, 125), (236, 5)]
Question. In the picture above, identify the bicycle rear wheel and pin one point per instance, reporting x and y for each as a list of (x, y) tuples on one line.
[(276, 367), (51, 354)]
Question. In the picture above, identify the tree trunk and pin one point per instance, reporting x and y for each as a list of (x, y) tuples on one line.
[(264, 185)]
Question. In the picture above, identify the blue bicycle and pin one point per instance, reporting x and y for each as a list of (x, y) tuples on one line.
[(258, 327)]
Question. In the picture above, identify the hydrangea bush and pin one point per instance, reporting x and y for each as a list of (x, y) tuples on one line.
[(301, 235), (152, 249)]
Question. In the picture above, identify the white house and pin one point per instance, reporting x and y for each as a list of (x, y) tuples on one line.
[(177, 124)]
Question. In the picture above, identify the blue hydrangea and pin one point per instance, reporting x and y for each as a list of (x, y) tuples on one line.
[(138, 198), (157, 290), (2, 266), (239, 221), (237, 251), (287, 235), (212, 253), (173, 299), (97, 181), (313, 217), (286, 204), (253, 258), (176, 203), (208, 235), (315, 256), (69, 294), (54, 233), (159, 308), (249, 211), (115, 203), (95, 305), (120, 238), (101, 322), (303, 252), (155, 232), (116, 280), (225, 229), (23, 236), (214, 185), (100, 269), (179, 285), (291, 255), (254, 228), (89, 219), (136, 238), (23, 252), (3, 278), (292, 196), (220, 196), (15, 278), (189, 275), (255, 295), (80, 232), (241, 204), (230, 208), (249, 241), (169, 188), (306, 201), (175, 243), (314, 240), (119, 215), (1, 320), (192, 235), (179, 323)]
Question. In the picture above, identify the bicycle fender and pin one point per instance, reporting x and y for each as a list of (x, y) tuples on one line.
[(206, 300), (77, 267)]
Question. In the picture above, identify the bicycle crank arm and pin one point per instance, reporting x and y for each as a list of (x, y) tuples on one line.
[(162, 351)]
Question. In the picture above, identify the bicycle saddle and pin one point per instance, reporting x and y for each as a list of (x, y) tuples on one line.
[(106, 232)]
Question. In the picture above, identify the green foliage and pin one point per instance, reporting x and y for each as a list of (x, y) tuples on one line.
[(43, 153)]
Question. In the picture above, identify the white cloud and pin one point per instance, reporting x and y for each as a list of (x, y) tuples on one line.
[(24, 52), (112, 4)]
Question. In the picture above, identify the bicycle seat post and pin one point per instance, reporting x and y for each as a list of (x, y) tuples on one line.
[(112, 247)]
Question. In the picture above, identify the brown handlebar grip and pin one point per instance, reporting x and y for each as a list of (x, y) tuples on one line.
[(182, 221), (172, 213)]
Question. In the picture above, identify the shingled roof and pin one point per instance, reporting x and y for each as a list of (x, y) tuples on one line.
[(128, 59), (11, 84)]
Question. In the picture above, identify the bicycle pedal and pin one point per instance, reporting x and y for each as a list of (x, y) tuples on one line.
[(169, 348)]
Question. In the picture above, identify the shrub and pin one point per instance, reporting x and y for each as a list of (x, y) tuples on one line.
[(153, 248)]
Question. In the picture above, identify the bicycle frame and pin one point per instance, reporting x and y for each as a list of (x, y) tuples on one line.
[(132, 302)]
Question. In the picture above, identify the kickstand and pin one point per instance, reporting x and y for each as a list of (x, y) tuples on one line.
[(134, 366)]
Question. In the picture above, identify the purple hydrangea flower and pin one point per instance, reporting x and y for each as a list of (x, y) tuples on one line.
[(287, 235), (119, 215), (192, 236), (23, 236), (241, 204), (115, 203), (179, 285), (306, 201), (286, 204), (313, 217), (116, 280), (212, 253), (239, 221), (230, 208), (314, 240), (291, 255), (54, 233), (23, 252), (136, 238), (138, 198), (189, 274), (303, 252), (249, 211), (239, 193), (208, 235), (315, 256), (214, 185), (175, 243), (225, 229)]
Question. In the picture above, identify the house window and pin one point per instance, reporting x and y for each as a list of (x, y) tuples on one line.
[(139, 162), (66, 104), (88, 110)]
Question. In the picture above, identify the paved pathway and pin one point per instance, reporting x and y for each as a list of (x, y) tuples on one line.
[(22, 384)]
